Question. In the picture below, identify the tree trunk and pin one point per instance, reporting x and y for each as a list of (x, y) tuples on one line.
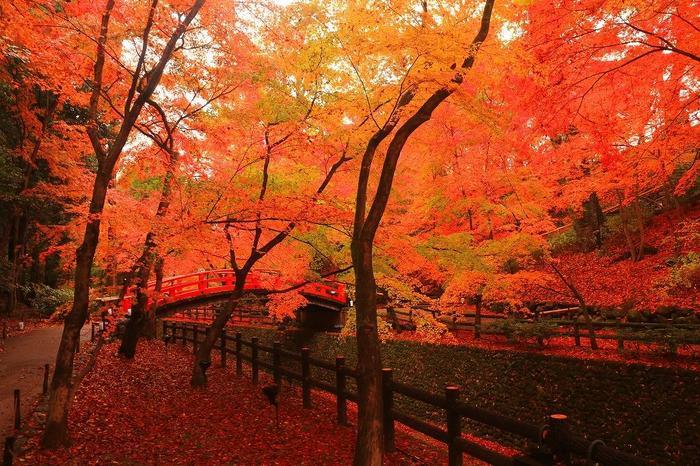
[(199, 376), (581, 302), (368, 450), (56, 433), (640, 220), (628, 235), (369, 446), (137, 320), (149, 330), (160, 264), (142, 315)]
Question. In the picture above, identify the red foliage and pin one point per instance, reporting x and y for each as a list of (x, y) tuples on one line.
[(607, 280)]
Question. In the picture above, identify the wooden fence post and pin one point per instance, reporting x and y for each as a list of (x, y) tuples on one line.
[(254, 351), (558, 430), (45, 388), (276, 362), (577, 334), (454, 425), (306, 377), (620, 339), (388, 402), (18, 414), (477, 318), (9, 453), (540, 340), (195, 337), (340, 390), (239, 359), (223, 340)]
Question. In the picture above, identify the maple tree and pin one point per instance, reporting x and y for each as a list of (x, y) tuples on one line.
[(41, 175), (212, 80), (283, 130), (108, 78), (369, 436)]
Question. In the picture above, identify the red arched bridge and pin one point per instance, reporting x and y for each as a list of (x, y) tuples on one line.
[(211, 284)]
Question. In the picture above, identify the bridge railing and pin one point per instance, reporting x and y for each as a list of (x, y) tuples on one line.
[(212, 282), (555, 442)]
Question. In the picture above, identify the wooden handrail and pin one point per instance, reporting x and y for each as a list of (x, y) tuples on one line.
[(222, 281)]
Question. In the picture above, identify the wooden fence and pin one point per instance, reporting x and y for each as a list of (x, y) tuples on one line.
[(555, 442), (618, 330), (9, 450), (479, 324)]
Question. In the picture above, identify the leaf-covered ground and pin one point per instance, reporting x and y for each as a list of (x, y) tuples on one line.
[(144, 412), (605, 279)]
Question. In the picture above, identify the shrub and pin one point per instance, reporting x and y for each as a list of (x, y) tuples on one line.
[(686, 272), (563, 242), (429, 329), (47, 300), (350, 327), (522, 331)]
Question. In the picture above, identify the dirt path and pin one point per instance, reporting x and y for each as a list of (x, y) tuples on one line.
[(22, 366)]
